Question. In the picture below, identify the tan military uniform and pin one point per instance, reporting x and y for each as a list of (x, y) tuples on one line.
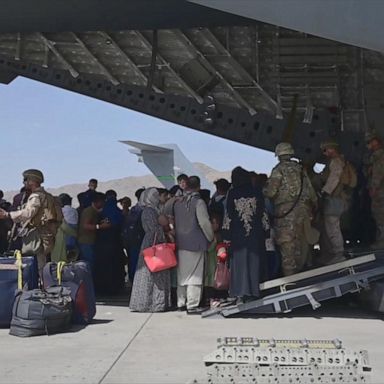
[(376, 183), (283, 188), (334, 205), (33, 213), (332, 175)]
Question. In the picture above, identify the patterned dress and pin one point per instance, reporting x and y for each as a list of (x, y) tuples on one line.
[(151, 292), (244, 228)]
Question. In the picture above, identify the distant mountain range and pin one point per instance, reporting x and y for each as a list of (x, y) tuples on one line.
[(128, 185)]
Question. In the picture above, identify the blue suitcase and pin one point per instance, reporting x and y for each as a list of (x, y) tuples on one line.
[(15, 273)]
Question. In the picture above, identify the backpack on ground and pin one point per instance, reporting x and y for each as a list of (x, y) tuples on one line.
[(40, 312), (349, 175), (77, 277)]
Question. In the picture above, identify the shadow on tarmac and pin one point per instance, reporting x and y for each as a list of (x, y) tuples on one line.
[(346, 307), (114, 301), (79, 327), (118, 300)]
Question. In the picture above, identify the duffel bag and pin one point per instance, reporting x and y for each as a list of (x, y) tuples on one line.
[(77, 277), (40, 312), (16, 273)]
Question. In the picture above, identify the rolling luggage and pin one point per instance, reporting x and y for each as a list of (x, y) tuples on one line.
[(16, 273), (40, 312), (77, 277)]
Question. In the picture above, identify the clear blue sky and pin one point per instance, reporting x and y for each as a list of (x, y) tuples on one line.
[(72, 138)]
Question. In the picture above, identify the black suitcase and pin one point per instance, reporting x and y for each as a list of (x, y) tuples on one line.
[(12, 278)]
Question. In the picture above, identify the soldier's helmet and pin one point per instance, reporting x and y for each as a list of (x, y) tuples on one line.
[(34, 174), (284, 149), (329, 144)]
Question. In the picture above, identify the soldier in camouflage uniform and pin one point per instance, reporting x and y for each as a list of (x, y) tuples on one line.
[(376, 185), (33, 213), (334, 204), (293, 196)]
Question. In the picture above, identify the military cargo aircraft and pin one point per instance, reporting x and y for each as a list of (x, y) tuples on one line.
[(256, 72)]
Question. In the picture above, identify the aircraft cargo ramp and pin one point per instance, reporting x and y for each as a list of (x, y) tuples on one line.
[(310, 287), (349, 21)]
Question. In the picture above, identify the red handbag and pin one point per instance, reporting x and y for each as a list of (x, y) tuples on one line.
[(160, 256), (222, 276)]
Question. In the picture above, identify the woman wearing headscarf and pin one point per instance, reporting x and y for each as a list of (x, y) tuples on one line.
[(151, 291), (244, 229)]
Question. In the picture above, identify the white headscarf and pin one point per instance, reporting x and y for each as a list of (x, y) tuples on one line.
[(70, 215), (150, 198)]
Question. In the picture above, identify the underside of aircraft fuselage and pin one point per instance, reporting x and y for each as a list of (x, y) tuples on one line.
[(219, 73)]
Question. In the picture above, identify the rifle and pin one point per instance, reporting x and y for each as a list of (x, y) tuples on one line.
[(12, 236)]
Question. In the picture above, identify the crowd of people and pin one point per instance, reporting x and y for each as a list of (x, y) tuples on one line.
[(265, 227)]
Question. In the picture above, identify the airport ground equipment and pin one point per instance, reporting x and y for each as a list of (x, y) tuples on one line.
[(250, 360)]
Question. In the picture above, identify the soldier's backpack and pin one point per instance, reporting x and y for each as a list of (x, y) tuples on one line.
[(52, 209), (40, 312), (292, 178), (349, 175), (49, 214)]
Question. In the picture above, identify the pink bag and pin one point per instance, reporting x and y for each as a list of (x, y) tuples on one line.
[(160, 256), (222, 276)]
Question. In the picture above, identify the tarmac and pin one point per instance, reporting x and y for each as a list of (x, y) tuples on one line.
[(124, 347)]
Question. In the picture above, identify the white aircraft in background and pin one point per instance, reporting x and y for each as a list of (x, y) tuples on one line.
[(166, 162)]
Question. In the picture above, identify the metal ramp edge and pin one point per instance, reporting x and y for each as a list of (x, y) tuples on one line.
[(287, 300), (283, 281)]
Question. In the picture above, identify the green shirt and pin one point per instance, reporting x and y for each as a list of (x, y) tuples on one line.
[(90, 216)]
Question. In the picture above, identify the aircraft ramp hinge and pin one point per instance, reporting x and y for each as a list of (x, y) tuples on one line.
[(283, 288), (314, 303), (350, 270)]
